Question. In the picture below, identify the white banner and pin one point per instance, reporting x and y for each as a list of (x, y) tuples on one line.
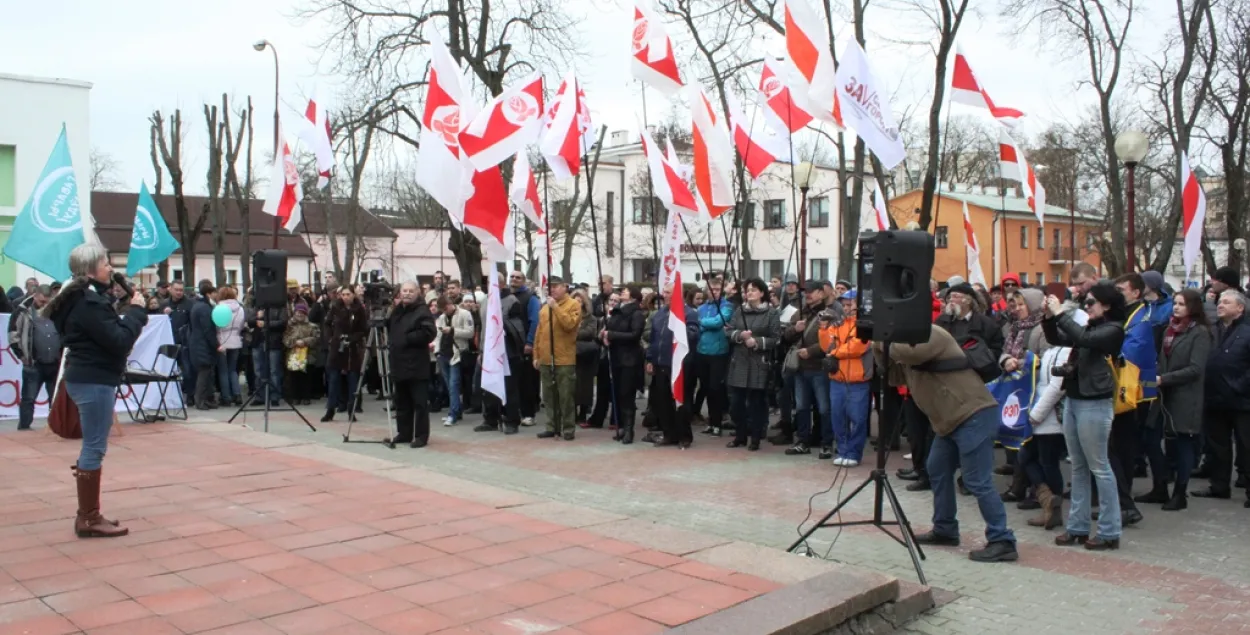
[(865, 106), (670, 262), (156, 334)]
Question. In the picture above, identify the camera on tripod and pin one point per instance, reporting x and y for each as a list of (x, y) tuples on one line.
[(379, 295)]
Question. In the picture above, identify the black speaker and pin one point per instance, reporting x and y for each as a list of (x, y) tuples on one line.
[(894, 301), (269, 278)]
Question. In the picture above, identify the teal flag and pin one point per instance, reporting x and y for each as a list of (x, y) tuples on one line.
[(50, 224), (150, 240)]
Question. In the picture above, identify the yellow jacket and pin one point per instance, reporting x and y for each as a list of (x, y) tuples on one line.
[(854, 359), (568, 318)]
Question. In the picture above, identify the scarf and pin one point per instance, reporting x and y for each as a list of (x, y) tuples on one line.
[(1019, 334), (1176, 327)]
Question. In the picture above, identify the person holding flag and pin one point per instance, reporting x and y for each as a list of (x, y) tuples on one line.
[(555, 358), (662, 356)]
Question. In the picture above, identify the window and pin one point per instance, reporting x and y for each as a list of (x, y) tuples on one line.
[(232, 277), (645, 214), (1041, 238), (775, 269), (1024, 237), (8, 176), (1058, 240), (775, 213), (749, 214), (940, 237), (1041, 278), (610, 207), (644, 269), (819, 269), (1091, 239), (818, 212), (175, 274), (1024, 278)]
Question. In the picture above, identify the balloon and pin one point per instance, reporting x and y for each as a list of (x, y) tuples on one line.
[(222, 316)]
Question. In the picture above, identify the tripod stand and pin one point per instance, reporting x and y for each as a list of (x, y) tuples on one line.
[(882, 492), (377, 351), (266, 396)]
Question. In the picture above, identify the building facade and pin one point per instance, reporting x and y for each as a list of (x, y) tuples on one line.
[(32, 111)]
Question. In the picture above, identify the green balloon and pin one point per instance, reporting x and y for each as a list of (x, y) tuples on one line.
[(222, 315)]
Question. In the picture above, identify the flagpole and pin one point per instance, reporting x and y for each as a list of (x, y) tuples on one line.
[(594, 232), (551, 310), (1002, 197)]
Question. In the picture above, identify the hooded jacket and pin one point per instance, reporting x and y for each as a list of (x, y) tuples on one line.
[(98, 339), (713, 318), (231, 336)]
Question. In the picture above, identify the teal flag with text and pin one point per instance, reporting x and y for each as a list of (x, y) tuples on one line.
[(150, 240), (50, 224)]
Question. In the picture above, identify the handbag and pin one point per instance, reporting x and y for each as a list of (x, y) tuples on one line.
[(297, 359), (1128, 390), (63, 419)]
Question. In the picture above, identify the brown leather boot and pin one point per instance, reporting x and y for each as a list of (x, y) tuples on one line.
[(74, 470), (1051, 515), (89, 523)]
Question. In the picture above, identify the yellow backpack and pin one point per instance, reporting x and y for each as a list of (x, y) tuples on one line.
[(1128, 388)]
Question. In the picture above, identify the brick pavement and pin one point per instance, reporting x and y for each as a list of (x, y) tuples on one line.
[(250, 534), (1186, 572)]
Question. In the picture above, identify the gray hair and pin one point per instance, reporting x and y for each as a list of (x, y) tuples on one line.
[(44, 290), (1237, 296), (85, 258)]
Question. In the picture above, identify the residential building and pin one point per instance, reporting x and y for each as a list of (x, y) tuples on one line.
[(32, 111)]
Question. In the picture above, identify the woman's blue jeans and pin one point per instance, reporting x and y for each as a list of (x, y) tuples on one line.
[(1087, 430), (334, 388), (95, 410), (228, 374)]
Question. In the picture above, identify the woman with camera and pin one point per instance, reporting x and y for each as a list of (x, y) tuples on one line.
[(1089, 385), (98, 341), (347, 325), (754, 332)]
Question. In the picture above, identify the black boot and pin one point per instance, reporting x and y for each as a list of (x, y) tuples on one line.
[(1179, 500), (329, 415), (627, 428), (1158, 494)]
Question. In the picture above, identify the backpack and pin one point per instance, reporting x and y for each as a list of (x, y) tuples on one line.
[(977, 357)]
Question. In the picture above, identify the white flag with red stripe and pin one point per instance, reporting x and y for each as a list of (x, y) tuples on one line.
[(561, 142), (285, 191), (315, 133), (488, 216), (881, 214), (1193, 213), (667, 180), (757, 151), (653, 60), (670, 254), (713, 158), (782, 110), (507, 124), (1015, 166), (441, 169), (681, 344), (807, 44), (972, 250), (524, 190), (965, 89)]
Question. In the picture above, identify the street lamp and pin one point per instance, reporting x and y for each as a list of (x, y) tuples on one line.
[(260, 46), (803, 178), (1131, 147)]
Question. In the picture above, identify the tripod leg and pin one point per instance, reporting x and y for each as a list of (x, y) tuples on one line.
[(909, 537), (825, 519)]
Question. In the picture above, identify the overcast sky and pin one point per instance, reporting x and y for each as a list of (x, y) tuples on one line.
[(143, 55)]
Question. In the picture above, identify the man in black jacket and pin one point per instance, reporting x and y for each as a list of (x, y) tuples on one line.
[(268, 327), (514, 345), (410, 329), (1227, 393), (963, 317), (623, 336), (178, 308), (202, 342)]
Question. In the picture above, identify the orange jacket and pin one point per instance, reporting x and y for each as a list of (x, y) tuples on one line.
[(854, 356)]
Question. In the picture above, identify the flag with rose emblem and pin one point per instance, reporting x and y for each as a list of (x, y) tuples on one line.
[(441, 169), (506, 125), (285, 190), (495, 368), (150, 240), (50, 224)]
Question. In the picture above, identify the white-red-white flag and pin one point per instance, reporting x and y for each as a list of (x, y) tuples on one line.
[(881, 214), (1009, 157), (670, 254), (653, 60), (585, 124), (807, 44), (494, 348), (542, 258), (442, 170), (670, 154), (972, 251), (667, 182), (507, 124), (965, 89), (1193, 214), (315, 133), (524, 190), (487, 215), (681, 343), (285, 191), (561, 141), (1014, 165), (781, 108), (713, 158), (758, 151)]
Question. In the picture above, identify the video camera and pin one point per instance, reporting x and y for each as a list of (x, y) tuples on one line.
[(379, 296)]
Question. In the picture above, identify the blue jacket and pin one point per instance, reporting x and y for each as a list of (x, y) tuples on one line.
[(1139, 348), (713, 317), (660, 352), (1160, 310)]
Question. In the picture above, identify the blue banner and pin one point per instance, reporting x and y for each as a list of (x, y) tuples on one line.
[(1014, 393), (150, 240), (50, 224)]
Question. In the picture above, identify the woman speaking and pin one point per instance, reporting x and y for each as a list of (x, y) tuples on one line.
[(98, 341)]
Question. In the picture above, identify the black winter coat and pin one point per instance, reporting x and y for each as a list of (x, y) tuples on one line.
[(98, 339), (977, 325), (202, 338), (350, 323), (1228, 367), (624, 329), (180, 318), (275, 327), (1091, 345), (411, 329)]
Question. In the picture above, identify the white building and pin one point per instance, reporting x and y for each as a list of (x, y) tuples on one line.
[(32, 110)]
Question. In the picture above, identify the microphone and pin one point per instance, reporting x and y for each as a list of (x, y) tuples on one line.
[(120, 280)]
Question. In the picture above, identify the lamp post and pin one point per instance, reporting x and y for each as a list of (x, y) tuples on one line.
[(1131, 147), (803, 174), (260, 46)]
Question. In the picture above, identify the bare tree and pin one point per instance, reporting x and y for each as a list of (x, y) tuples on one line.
[(162, 270), (104, 169), (170, 147), (214, 208), (354, 147), (241, 192)]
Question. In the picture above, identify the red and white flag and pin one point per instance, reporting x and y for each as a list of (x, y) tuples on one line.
[(757, 151), (653, 60), (972, 251), (542, 258), (965, 89), (561, 142), (681, 344), (285, 191), (585, 123), (495, 367), (507, 124), (667, 181), (487, 215), (443, 173), (782, 109), (713, 158), (807, 44), (670, 254), (881, 214), (1193, 214), (524, 190), (1013, 165), (315, 133)]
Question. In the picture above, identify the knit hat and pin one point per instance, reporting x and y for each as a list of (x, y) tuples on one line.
[(1153, 280), (300, 307), (1033, 298), (1229, 276), (292, 283)]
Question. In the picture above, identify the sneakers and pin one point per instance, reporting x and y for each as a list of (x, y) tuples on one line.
[(527, 421), (826, 453), (841, 462), (798, 449), (449, 421), (1002, 551)]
